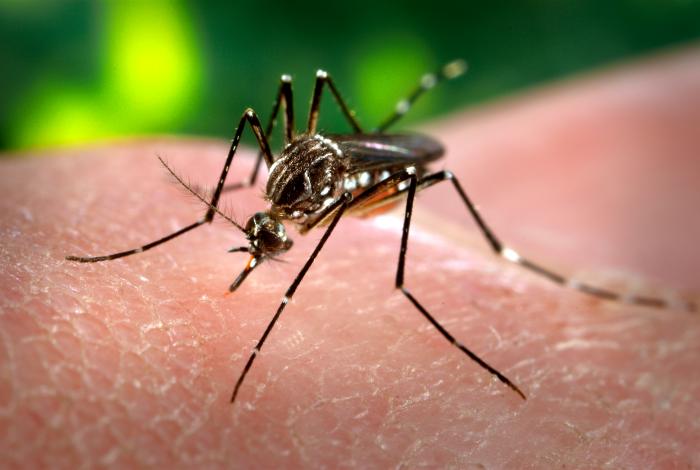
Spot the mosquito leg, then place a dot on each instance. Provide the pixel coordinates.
(148, 246)
(248, 116)
(340, 206)
(511, 255)
(284, 99)
(251, 118)
(413, 183)
(369, 197)
(447, 72)
(322, 78)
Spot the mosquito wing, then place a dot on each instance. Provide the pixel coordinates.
(370, 152)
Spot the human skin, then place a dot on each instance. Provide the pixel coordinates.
(132, 362)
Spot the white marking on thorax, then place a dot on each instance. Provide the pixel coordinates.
(330, 143)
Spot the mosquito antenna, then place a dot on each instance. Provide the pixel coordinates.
(199, 196)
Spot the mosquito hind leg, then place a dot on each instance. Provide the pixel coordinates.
(513, 256)
(449, 71)
(250, 117)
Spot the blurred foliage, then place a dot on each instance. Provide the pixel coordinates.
(79, 71)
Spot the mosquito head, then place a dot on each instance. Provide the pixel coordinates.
(267, 235)
(267, 238)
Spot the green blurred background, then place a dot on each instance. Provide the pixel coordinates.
(78, 72)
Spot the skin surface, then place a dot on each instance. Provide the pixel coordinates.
(132, 362)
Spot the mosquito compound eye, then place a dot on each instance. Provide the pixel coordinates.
(269, 240)
(273, 243)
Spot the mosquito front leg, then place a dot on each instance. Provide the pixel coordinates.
(252, 118)
(284, 99)
(248, 116)
(339, 206)
(452, 70)
(148, 246)
(322, 78)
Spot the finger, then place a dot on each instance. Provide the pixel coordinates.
(151, 344)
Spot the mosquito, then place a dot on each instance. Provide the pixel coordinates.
(319, 178)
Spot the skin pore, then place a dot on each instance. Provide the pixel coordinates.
(132, 362)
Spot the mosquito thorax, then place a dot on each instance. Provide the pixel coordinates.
(307, 176)
(267, 235)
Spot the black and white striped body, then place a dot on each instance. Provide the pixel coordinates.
(314, 171)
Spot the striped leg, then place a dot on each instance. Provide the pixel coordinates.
(368, 197)
(250, 117)
(339, 208)
(452, 70)
(322, 78)
(511, 255)
(284, 99)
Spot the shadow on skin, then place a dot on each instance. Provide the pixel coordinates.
(133, 361)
